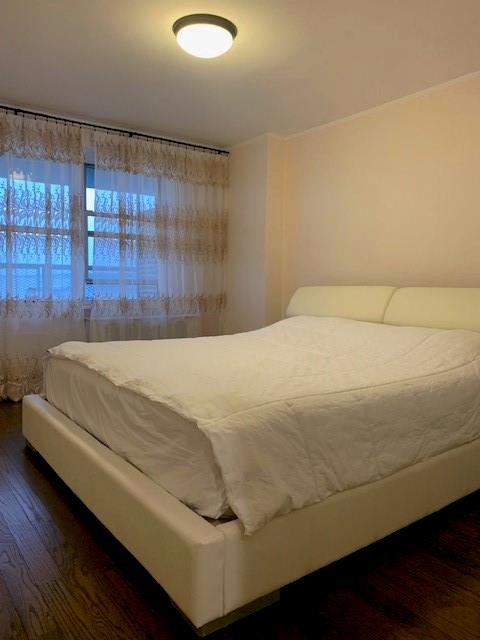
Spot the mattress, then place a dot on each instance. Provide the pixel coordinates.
(307, 407)
(169, 449)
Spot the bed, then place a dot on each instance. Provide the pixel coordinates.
(299, 406)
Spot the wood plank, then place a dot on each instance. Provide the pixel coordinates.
(44, 594)
(10, 624)
(445, 606)
(25, 593)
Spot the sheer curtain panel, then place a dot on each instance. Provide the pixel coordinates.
(42, 266)
(159, 240)
(130, 245)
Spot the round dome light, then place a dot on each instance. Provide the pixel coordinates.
(204, 35)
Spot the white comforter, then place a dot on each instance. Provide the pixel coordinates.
(308, 406)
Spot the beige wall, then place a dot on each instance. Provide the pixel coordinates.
(254, 269)
(391, 196)
(274, 238)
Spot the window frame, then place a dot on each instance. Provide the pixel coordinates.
(87, 167)
(89, 182)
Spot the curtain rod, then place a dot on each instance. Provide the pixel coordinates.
(130, 134)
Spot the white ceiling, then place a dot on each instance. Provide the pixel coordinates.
(295, 63)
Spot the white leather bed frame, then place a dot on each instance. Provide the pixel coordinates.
(212, 572)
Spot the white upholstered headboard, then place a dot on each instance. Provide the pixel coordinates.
(442, 308)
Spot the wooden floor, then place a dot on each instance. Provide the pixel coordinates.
(62, 575)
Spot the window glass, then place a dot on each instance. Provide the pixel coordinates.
(105, 276)
(39, 248)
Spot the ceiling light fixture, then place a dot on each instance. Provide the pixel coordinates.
(204, 35)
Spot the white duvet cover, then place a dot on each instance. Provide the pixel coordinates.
(309, 406)
(170, 450)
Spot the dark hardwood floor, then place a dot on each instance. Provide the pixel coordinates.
(63, 576)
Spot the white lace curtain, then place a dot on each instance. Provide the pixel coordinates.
(41, 237)
(160, 220)
(145, 262)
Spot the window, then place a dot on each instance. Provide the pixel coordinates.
(36, 252)
(90, 215)
(114, 218)
(35, 234)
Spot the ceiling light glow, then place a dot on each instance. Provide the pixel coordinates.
(204, 35)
